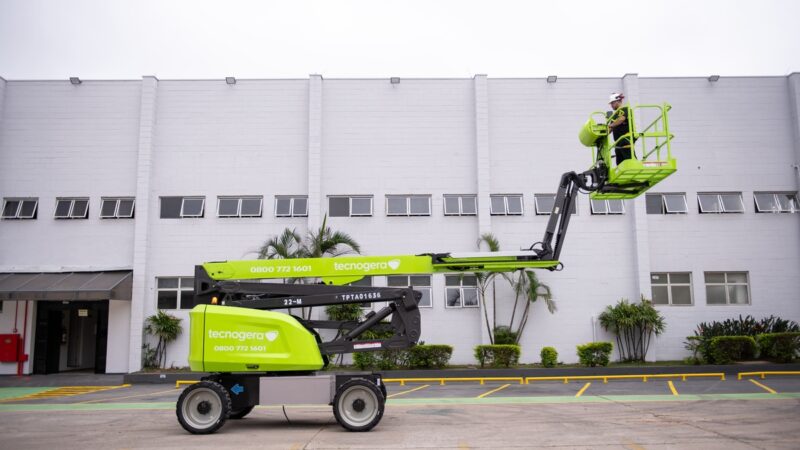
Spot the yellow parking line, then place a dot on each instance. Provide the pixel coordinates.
(672, 387)
(410, 390)
(127, 396)
(771, 391)
(583, 389)
(493, 391)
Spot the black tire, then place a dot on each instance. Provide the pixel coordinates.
(358, 405)
(203, 407)
(237, 414)
(383, 390)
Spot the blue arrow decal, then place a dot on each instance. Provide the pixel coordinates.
(237, 389)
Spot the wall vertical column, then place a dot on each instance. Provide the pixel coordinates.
(794, 105)
(140, 299)
(483, 174)
(314, 151)
(2, 96)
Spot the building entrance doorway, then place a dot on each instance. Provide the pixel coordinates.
(70, 336)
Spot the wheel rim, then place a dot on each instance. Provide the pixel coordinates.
(358, 406)
(201, 408)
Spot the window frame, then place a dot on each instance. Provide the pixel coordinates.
(726, 284)
(240, 199)
(460, 198)
(607, 211)
(17, 213)
(505, 198)
(117, 202)
(536, 198)
(722, 208)
(292, 199)
(428, 287)
(461, 288)
(350, 205)
(775, 197)
(407, 199)
(70, 211)
(669, 285)
(180, 290)
(193, 216)
(664, 206)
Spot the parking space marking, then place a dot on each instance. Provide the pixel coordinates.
(583, 389)
(68, 391)
(771, 391)
(672, 387)
(128, 396)
(486, 394)
(410, 390)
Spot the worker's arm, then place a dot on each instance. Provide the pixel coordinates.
(620, 119)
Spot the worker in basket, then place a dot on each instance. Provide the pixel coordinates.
(619, 124)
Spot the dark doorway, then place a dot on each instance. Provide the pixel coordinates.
(70, 336)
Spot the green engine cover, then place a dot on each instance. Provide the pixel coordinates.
(230, 339)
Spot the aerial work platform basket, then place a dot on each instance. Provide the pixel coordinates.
(651, 158)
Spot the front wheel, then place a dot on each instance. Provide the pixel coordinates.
(203, 407)
(240, 413)
(358, 405)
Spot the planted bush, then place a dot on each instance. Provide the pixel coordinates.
(779, 347)
(428, 356)
(549, 356)
(700, 343)
(595, 353)
(634, 325)
(726, 349)
(504, 336)
(497, 355)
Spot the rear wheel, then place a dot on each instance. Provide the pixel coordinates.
(358, 405)
(203, 407)
(240, 413)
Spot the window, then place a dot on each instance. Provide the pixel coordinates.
(730, 202)
(545, 202)
(776, 202)
(239, 206)
(349, 206)
(175, 292)
(610, 206)
(72, 208)
(666, 203)
(288, 206)
(421, 283)
(408, 205)
(116, 208)
(727, 288)
(178, 207)
(506, 205)
(20, 208)
(671, 288)
(460, 205)
(461, 291)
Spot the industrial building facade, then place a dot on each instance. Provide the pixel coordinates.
(112, 191)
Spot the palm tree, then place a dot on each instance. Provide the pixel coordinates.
(288, 245)
(325, 242)
(483, 279)
(528, 287)
(166, 328)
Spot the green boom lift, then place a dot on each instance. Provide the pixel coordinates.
(257, 355)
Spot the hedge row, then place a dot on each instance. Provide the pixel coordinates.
(779, 347)
(418, 357)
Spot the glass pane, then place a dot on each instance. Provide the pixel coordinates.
(108, 208)
(709, 203)
(732, 202)
(339, 206)
(452, 280)
(470, 297)
(300, 207)
(187, 300)
(420, 206)
(680, 278)
(788, 202)
(451, 206)
(125, 208)
(545, 203)
(598, 206)
(737, 277)
(10, 208)
(283, 207)
(675, 203)
(660, 295)
(80, 209)
(514, 204)
(168, 283)
(715, 295)
(681, 295)
(227, 207)
(469, 205)
(453, 297)
(28, 209)
(167, 299)
(498, 205)
(654, 204)
(362, 206)
(616, 206)
(469, 280)
(192, 207)
(658, 278)
(187, 283)
(397, 281)
(426, 297)
(396, 206)
(766, 203)
(62, 208)
(738, 295)
(171, 207)
(364, 282)
(251, 207)
(715, 277)
(420, 280)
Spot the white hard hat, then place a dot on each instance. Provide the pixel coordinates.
(616, 96)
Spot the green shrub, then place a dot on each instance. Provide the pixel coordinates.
(428, 356)
(779, 347)
(504, 336)
(726, 349)
(497, 355)
(595, 353)
(700, 343)
(549, 357)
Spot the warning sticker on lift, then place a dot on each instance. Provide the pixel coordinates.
(364, 345)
